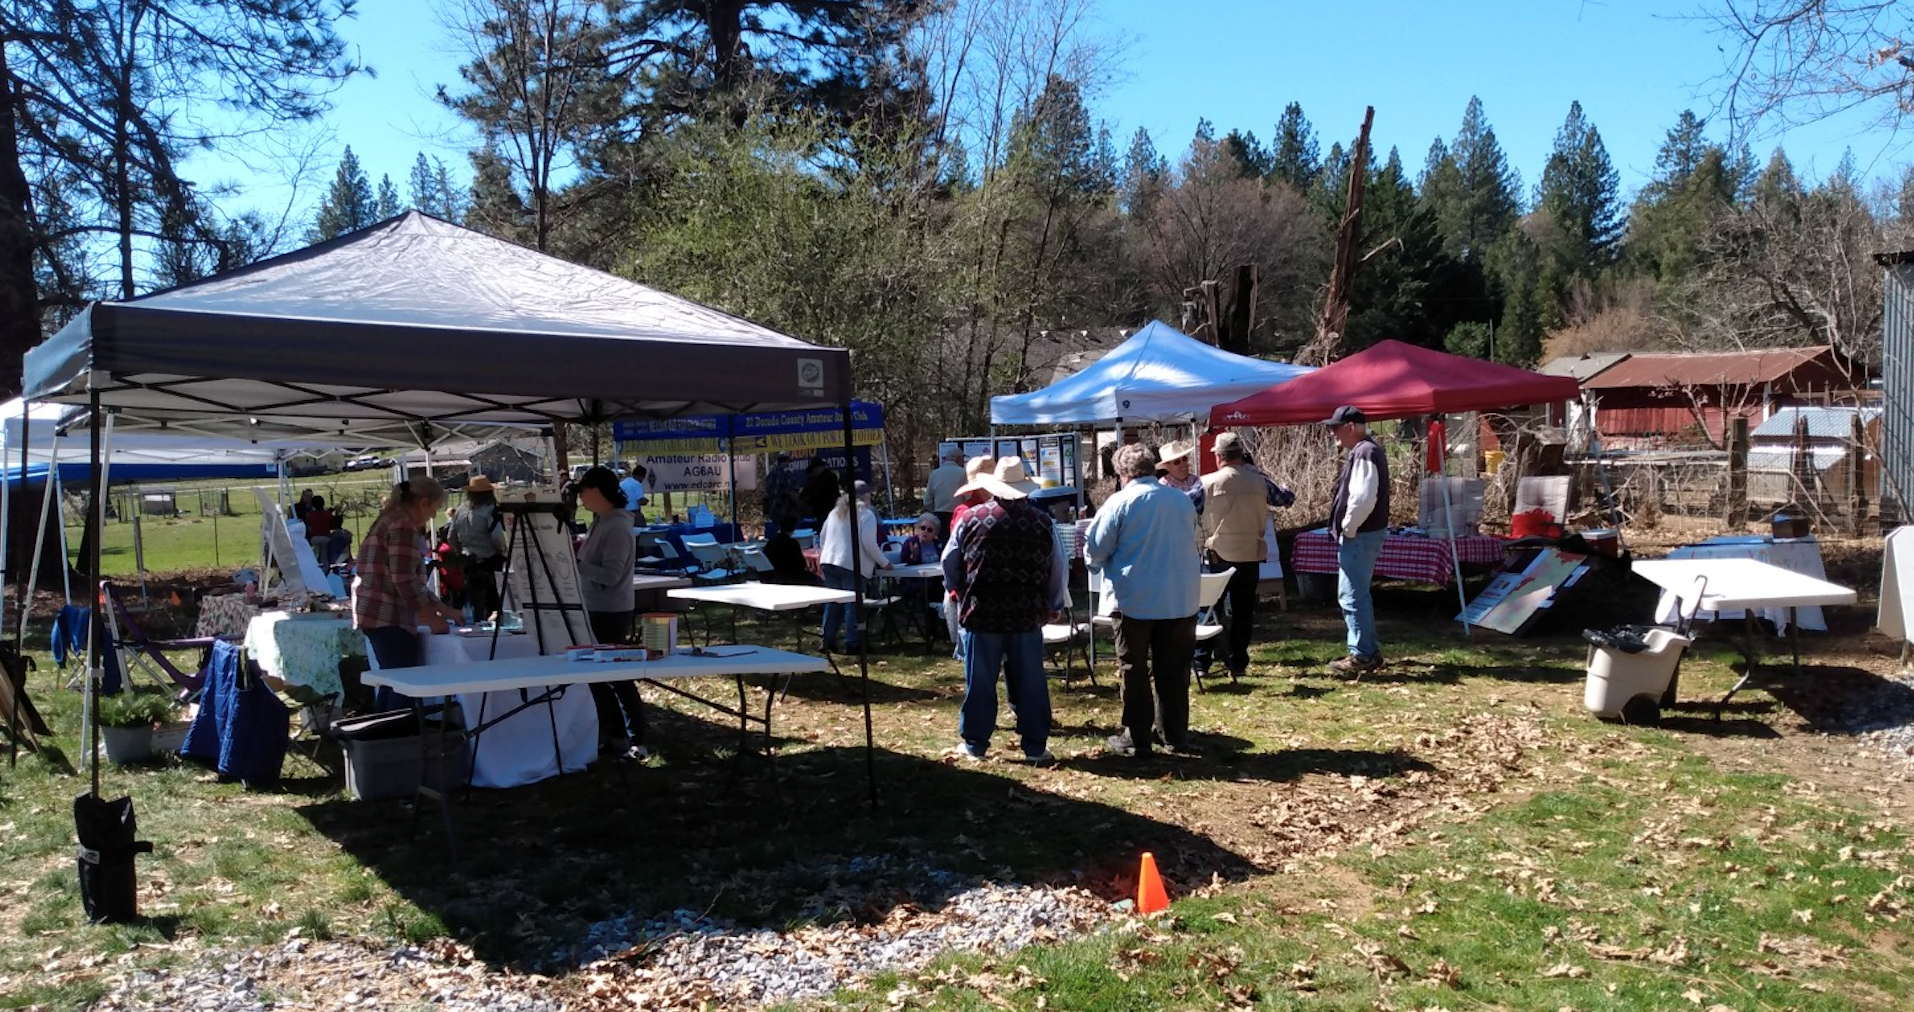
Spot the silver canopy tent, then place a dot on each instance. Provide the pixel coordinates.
(415, 326)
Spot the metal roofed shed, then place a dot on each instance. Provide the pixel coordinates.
(1656, 395)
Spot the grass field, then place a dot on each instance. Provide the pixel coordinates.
(1451, 833)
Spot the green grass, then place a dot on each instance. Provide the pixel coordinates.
(1451, 833)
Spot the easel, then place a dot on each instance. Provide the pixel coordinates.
(542, 584)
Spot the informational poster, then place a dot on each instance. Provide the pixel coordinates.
(541, 579)
(1512, 600)
(698, 472)
(283, 554)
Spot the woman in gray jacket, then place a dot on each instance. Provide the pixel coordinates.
(606, 561)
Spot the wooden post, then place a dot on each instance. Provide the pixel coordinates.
(1323, 347)
(1857, 488)
(1737, 516)
(1803, 464)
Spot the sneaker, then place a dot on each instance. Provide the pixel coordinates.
(1121, 744)
(1354, 665)
(967, 751)
(1043, 758)
(637, 753)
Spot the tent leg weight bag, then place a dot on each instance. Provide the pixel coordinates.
(109, 889)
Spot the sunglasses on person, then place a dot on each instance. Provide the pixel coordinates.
(927, 528)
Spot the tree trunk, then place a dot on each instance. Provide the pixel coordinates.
(19, 290)
(1242, 311)
(1325, 346)
(22, 527)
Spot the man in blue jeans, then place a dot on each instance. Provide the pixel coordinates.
(1008, 574)
(1359, 518)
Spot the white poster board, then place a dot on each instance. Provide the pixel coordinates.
(1897, 583)
(541, 580)
(698, 472)
(279, 550)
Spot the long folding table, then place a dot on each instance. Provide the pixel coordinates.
(778, 598)
(545, 678)
(1747, 585)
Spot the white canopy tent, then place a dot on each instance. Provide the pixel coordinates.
(412, 327)
(1159, 375)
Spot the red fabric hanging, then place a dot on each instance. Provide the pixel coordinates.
(1438, 445)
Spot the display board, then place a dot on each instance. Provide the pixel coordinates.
(541, 573)
(1897, 583)
(1051, 458)
(282, 553)
(1514, 599)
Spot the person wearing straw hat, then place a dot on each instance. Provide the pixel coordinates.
(1359, 519)
(478, 536)
(1176, 468)
(973, 467)
(1008, 573)
(1143, 540)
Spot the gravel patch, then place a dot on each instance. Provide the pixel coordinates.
(300, 973)
(676, 960)
(684, 959)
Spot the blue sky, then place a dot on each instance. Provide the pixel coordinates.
(1633, 64)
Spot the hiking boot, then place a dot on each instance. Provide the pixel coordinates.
(1354, 665)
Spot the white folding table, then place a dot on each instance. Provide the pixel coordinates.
(786, 598)
(545, 678)
(1747, 585)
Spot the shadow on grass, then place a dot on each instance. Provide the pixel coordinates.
(828, 687)
(1837, 699)
(1219, 762)
(1709, 727)
(539, 863)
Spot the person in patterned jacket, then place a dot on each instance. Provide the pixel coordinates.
(1007, 572)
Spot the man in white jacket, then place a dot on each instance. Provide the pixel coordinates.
(1359, 518)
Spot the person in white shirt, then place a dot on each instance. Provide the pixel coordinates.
(1359, 518)
(834, 561)
(940, 490)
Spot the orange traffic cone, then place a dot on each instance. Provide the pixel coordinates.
(1150, 896)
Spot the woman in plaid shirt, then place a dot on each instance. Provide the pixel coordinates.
(390, 599)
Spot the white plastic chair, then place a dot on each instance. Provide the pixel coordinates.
(1067, 633)
(1208, 626)
(715, 564)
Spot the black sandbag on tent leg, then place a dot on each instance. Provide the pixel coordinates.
(109, 890)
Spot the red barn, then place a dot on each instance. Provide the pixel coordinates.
(1672, 399)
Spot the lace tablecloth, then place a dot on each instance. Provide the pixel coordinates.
(224, 615)
(303, 649)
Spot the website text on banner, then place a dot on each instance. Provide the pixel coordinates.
(766, 432)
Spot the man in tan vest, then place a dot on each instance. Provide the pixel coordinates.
(1237, 497)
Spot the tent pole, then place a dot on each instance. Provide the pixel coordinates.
(857, 603)
(6, 506)
(731, 463)
(1448, 516)
(890, 490)
(48, 496)
(26, 584)
(93, 646)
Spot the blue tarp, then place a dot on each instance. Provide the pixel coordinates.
(79, 473)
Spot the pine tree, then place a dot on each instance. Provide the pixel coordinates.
(388, 205)
(1693, 186)
(1251, 158)
(348, 206)
(1483, 202)
(495, 206)
(1579, 193)
(1293, 154)
(1144, 171)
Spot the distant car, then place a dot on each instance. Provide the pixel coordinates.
(366, 463)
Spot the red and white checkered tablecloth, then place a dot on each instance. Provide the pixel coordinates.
(1404, 556)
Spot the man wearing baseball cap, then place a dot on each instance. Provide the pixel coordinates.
(1359, 519)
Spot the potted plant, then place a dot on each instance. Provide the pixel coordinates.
(126, 724)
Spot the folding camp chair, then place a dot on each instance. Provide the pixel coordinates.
(142, 654)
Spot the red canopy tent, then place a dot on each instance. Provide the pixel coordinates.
(1396, 380)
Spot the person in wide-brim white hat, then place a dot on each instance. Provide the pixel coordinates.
(1009, 481)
